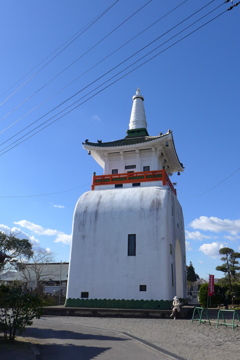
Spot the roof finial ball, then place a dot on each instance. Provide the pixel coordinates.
(138, 94)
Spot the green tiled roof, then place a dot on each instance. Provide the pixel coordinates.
(131, 139)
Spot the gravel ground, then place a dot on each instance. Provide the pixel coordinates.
(188, 340)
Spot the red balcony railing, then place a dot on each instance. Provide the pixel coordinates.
(133, 177)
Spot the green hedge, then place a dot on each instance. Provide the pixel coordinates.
(120, 304)
(217, 299)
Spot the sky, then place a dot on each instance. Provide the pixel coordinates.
(68, 71)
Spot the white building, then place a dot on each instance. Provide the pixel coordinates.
(128, 231)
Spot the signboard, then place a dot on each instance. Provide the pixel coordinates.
(211, 285)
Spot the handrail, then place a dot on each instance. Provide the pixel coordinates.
(133, 177)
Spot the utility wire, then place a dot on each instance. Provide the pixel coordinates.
(80, 57)
(38, 195)
(215, 186)
(142, 65)
(115, 67)
(85, 72)
(113, 82)
(102, 85)
(91, 23)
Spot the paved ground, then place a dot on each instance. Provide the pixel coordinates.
(86, 338)
(64, 340)
(48, 339)
(19, 350)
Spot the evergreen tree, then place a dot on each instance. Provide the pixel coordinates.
(191, 275)
(12, 250)
(230, 265)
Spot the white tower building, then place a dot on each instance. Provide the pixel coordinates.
(128, 231)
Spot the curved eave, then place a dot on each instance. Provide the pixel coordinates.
(174, 163)
(99, 152)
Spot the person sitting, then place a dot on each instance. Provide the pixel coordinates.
(175, 307)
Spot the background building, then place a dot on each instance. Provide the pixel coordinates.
(51, 277)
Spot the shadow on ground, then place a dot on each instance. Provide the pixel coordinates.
(66, 334)
(60, 344)
(70, 351)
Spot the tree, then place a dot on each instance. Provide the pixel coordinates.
(37, 271)
(230, 265)
(17, 309)
(191, 275)
(12, 250)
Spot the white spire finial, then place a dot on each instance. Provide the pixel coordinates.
(138, 117)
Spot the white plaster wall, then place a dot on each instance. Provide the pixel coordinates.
(140, 158)
(129, 185)
(99, 261)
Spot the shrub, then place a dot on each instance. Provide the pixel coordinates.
(220, 296)
(17, 309)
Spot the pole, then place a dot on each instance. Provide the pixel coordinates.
(60, 282)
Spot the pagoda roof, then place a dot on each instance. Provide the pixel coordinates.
(128, 140)
(134, 142)
(136, 136)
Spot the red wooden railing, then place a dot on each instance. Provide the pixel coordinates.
(133, 177)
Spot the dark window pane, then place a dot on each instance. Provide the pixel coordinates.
(132, 245)
(84, 294)
(130, 167)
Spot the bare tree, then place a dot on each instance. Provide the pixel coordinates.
(38, 270)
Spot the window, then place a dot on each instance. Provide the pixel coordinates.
(171, 249)
(132, 245)
(136, 184)
(130, 167)
(142, 287)
(172, 274)
(146, 168)
(118, 185)
(114, 171)
(84, 294)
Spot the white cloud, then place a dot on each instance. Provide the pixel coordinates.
(231, 238)
(212, 249)
(59, 206)
(60, 236)
(65, 239)
(216, 225)
(196, 235)
(96, 118)
(37, 229)
(188, 246)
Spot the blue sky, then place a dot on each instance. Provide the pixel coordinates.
(51, 50)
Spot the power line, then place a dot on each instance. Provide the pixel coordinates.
(218, 184)
(106, 73)
(80, 57)
(84, 29)
(107, 86)
(44, 194)
(134, 70)
(85, 72)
